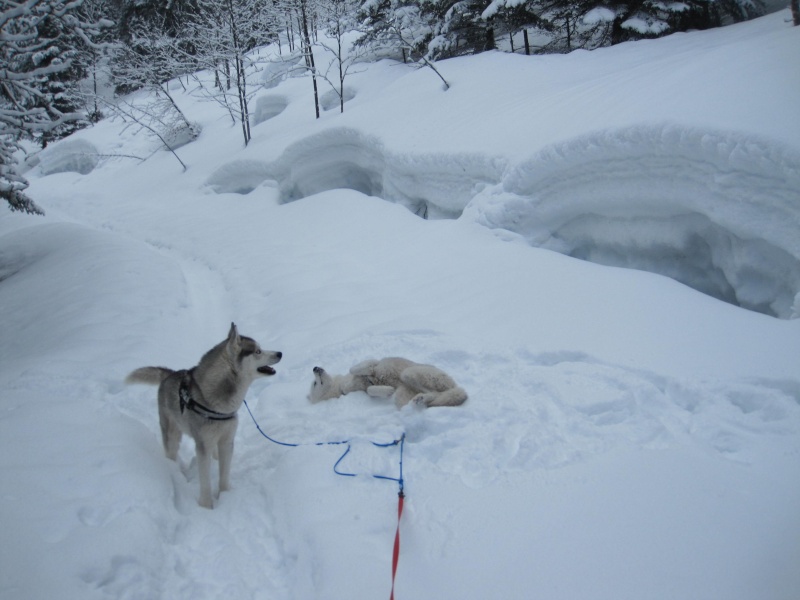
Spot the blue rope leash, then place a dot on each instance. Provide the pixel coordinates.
(400, 442)
(399, 480)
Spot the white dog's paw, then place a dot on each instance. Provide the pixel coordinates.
(423, 400)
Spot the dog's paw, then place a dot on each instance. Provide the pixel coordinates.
(206, 503)
(421, 400)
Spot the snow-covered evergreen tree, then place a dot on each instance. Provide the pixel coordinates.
(397, 28)
(155, 41)
(639, 19)
(39, 41)
(512, 16)
(460, 28)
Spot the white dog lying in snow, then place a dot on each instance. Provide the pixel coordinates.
(406, 380)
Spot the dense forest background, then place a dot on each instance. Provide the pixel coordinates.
(69, 61)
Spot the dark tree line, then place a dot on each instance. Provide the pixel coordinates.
(446, 28)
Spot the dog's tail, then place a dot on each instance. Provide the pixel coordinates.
(149, 375)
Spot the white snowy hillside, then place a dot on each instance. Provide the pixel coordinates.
(629, 432)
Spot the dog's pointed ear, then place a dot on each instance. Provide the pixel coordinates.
(234, 342)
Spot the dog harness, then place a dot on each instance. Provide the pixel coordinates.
(188, 402)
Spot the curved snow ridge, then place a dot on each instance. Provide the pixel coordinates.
(718, 211)
(239, 177)
(430, 185)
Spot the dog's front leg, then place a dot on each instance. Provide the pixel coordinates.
(225, 449)
(204, 471)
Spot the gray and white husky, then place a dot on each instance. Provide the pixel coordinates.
(202, 402)
(407, 381)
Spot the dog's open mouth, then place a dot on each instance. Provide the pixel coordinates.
(265, 370)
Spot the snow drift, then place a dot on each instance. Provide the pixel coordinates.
(717, 211)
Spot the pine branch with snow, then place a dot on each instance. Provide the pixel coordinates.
(38, 48)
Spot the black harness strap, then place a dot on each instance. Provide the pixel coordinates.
(188, 402)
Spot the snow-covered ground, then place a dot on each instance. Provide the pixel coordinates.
(626, 436)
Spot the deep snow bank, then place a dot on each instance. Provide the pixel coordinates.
(62, 308)
(718, 211)
(429, 185)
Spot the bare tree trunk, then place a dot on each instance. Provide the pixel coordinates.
(341, 70)
(489, 44)
(164, 89)
(306, 40)
(241, 80)
(527, 43)
(95, 117)
(241, 87)
(569, 35)
(435, 70)
(290, 31)
(796, 12)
